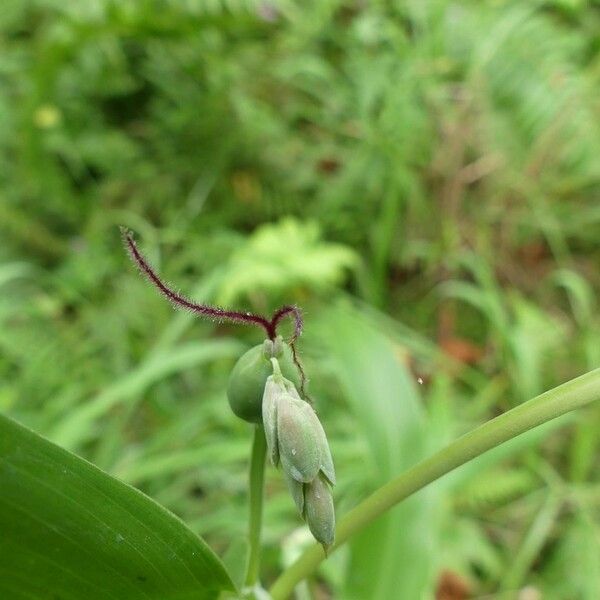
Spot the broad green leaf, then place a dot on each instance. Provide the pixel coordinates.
(70, 531)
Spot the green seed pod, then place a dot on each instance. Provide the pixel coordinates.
(249, 375)
(318, 510)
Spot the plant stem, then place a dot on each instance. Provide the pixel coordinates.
(545, 407)
(256, 493)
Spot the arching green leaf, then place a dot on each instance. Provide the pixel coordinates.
(70, 531)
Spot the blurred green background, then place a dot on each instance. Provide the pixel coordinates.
(422, 177)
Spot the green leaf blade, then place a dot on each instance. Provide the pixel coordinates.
(70, 531)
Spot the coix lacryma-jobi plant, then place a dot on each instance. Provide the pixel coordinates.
(267, 388)
(71, 531)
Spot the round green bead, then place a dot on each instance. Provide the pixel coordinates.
(248, 377)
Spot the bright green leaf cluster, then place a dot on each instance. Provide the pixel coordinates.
(264, 262)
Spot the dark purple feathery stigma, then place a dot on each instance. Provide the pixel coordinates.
(285, 311)
(216, 313)
(180, 301)
(296, 313)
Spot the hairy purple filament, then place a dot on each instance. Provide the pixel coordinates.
(283, 312)
(212, 312)
(216, 313)
(277, 316)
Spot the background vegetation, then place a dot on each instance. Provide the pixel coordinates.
(422, 177)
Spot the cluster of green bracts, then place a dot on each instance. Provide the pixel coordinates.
(295, 437)
(297, 442)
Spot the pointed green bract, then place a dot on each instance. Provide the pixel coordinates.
(325, 454)
(273, 390)
(319, 511)
(299, 448)
(296, 490)
(327, 467)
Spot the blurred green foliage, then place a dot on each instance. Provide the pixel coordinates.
(422, 177)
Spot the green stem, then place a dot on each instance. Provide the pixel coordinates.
(256, 489)
(545, 407)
